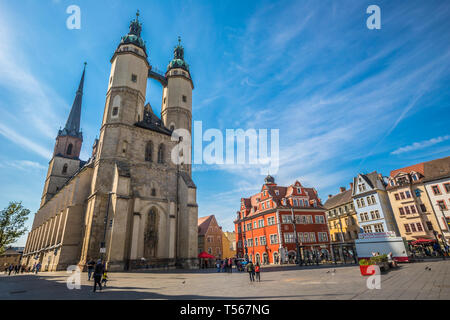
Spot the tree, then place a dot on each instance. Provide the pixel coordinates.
(12, 224)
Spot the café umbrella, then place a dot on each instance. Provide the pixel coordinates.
(204, 255)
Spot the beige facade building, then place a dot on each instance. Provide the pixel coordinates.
(342, 223)
(417, 216)
(229, 244)
(129, 202)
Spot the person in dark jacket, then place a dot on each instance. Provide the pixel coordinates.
(98, 273)
(90, 268)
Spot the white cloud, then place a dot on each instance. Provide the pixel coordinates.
(421, 145)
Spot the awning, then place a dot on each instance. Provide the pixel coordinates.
(422, 241)
(205, 255)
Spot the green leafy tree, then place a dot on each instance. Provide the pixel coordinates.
(12, 224)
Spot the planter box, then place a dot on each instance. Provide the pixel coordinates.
(365, 272)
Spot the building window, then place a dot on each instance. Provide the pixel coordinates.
(369, 201)
(273, 239)
(286, 219)
(69, 149)
(442, 205)
(423, 208)
(249, 226)
(262, 240)
(413, 209)
(413, 227)
(362, 202)
(323, 237)
(261, 223)
(419, 226)
(408, 194)
(184, 99)
(270, 221)
(436, 190)
(250, 243)
(149, 151)
(289, 238)
(430, 226)
(161, 153)
(115, 111)
(447, 187)
(153, 192)
(367, 229)
(402, 211)
(407, 228)
(254, 225)
(397, 197)
(312, 237)
(134, 78)
(64, 170)
(320, 219)
(402, 195)
(379, 227)
(373, 199)
(256, 242)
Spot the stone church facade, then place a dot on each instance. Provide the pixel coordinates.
(129, 204)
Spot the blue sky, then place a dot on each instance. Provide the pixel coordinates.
(345, 98)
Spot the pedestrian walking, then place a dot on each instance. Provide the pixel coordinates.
(218, 265)
(258, 272)
(251, 271)
(98, 272)
(38, 267)
(230, 265)
(90, 268)
(10, 269)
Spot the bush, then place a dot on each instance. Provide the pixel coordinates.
(379, 259)
(364, 262)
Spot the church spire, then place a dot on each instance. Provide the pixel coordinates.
(72, 127)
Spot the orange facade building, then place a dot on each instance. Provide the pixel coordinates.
(265, 226)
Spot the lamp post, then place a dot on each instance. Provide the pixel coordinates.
(299, 258)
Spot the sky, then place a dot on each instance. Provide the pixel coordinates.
(346, 99)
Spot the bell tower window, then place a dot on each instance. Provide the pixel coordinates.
(184, 99)
(134, 78)
(64, 170)
(69, 149)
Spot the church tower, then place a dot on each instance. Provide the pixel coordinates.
(176, 111)
(65, 162)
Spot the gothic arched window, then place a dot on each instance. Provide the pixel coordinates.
(161, 153)
(69, 149)
(149, 151)
(64, 170)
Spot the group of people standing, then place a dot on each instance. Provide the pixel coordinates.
(225, 265)
(254, 271)
(18, 268)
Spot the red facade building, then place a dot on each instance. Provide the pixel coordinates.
(265, 226)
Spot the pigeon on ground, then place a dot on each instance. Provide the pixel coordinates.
(183, 282)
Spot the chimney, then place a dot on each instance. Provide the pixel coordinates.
(342, 189)
(351, 185)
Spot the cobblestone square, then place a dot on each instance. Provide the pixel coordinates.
(409, 282)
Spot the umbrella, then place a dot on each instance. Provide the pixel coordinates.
(205, 255)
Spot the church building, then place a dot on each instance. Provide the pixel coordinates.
(129, 204)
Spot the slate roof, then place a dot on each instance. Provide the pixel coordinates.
(72, 127)
(187, 179)
(437, 169)
(339, 199)
(152, 122)
(203, 224)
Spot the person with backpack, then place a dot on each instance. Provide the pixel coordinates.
(98, 272)
(258, 272)
(251, 271)
(230, 265)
